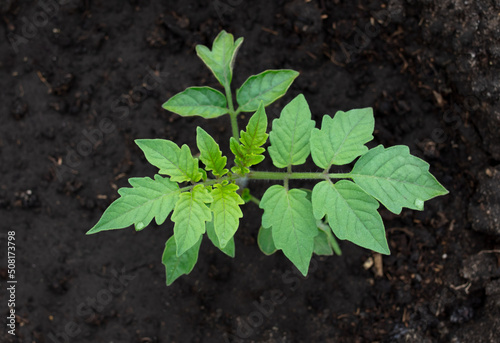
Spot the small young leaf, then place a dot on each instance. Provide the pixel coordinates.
(249, 153)
(203, 174)
(228, 249)
(322, 245)
(352, 214)
(176, 266)
(256, 132)
(210, 153)
(396, 178)
(205, 102)
(147, 199)
(245, 195)
(267, 86)
(190, 215)
(291, 133)
(265, 241)
(342, 138)
(220, 59)
(290, 215)
(226, 209)
(239, 157)
(176, 162)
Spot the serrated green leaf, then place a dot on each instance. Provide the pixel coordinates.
(205, 102)
(239, 157)
(226, 210)
(176, 266)
(352, 214)
(322, 245)
(190, 215)
(342, 138)
(265, 241)
(255, 134)
(228, 249)
(252, 160)
(176, 162)
(290, 215)
(210, 153)
(235, 148)
(396, 178)
(203, 174)
(147, 199)
(220, 60)
(249, 152)
(267, 87)
(291, 133)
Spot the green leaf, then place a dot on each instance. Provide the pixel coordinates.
(256, 132)
(291, 133)
(322, 245)
(220, 60)
(190, 215)
(205, 102)
(228, 249)
(290, 215)
(176, 266)
(226, 209)
(352, 214)
(203, 174)
(210, 153)
(265, 241)
(342, 138)
(245, 195)
(396, 178)
(249, 153)
(176, 162)
(239, 157)
(267, 86)
(147, 199)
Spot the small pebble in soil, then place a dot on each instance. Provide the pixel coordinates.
(27, 199)
(462, 314)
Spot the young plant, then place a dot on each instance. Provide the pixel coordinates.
(299, 222)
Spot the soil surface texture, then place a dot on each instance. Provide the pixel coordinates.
(81, 79)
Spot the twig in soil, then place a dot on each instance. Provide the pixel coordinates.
(465, 286)
(378, 266)
(269, 31)
(402, 229)
(44, 81)
(494, 251)
(331, 56)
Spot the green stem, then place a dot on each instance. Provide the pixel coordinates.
(335, 245)
(254, 200)
(232, 113)
(234, 126)
(331, 238)
(229, 97)
(207, 182)
(262, 175)
(289, 172)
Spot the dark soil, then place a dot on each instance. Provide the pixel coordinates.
(81, 80)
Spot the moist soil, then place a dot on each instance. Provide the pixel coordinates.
(81, 80)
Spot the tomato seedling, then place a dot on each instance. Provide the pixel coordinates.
(299, 222)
